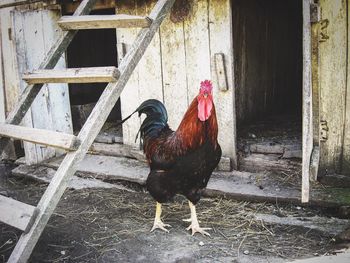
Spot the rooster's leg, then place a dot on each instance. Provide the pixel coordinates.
(157, 221)
(194, 222)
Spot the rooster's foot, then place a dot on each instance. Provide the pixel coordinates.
(196, 229)
(159, 224)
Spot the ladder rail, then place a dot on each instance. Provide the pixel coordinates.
(88, 133)
(31, 91)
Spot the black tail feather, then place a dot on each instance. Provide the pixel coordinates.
(156, 120)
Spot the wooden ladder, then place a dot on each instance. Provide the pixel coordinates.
(32, 220)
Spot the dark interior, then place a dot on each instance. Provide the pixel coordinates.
(267, 39)
(91, 48)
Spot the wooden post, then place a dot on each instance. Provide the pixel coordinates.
(307, 103)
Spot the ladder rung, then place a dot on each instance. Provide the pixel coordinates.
(46, 137)
(103, 21)
(73, 75)
(15, 213)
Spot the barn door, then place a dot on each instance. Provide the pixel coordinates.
(34, 32)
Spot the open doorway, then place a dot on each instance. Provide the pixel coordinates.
(267, 39)
(93, 48)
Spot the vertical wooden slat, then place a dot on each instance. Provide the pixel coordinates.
(197, 47)
(307, 121)
(174, 70)
(129, 99)
(221, 41)
(150, 66)
(333, 53)
(346, 143)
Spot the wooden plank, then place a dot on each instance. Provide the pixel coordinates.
(197, 47)
(31, 91)
(73, 75)
(58, 103)
(44, 137)
(220, 71)
(221, 42)
(93, 125)
(333, 76)
(150, 81)
(103, 21)
(15, 213)
(174, 71)
(10, 3)
(346, 143)
(2, 86)
(129, 98)
(307, 100)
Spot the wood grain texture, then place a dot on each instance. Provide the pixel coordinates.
(346, 141)
(73, 75)
(333, 84)
(15, 213)
(40, 136)
(30, 92)
(307, 104)
(196, 33)
(103, 21)
(221, 42)
(174, 71)
(129, 98)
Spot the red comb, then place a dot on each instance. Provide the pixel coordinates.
(206, 86)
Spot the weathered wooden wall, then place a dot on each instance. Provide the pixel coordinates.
(333, 84)
(346, 144)
(33, 32)
(268, 57)
(179, 57)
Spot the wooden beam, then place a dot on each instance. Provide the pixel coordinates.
(39, 136)
(15, 213)
(88, 133)
(103, 21)
(31, 91)
(73, 75)
(307, 103)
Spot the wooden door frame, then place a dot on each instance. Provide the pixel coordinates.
(307, 135)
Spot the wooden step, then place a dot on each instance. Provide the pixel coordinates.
(73, 75)
(103, 21)
(15, 213)
(46, 137)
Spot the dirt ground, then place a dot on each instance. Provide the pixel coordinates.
(111, 225)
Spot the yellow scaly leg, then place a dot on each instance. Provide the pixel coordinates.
(158, 223)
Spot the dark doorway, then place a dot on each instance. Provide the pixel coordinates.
(92, 48)
(267, 39)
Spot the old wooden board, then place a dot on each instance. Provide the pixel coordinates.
(307, 100)
(221, 46)
(15, 213)
(346, 143)
(88, 133)
(108, 168)
(73, 75)
(45, 174)
(44, 137)
(129, 98)
(174, 70)
(103, 21)
(333, 82)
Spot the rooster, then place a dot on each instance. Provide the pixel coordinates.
(181, 161)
